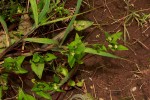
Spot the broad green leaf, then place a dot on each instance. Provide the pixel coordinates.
(4, 24)
(101, 53)
(35, 11)
(71, 60)
(41, 40)
(82, 24)
(49, 57)
(23, 96)
(44, 10)
(19, 60)
(37, 68)
(44, 95)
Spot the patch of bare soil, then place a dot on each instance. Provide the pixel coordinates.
(114, 79)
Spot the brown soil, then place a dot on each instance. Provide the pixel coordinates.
(114, 79)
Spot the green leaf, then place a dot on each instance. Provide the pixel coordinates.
(71, 60)
(35, 11)
(19, 60)
(101, 53)
(56, 78)
(71, 83)
(76, 51)
(36, 58)
(41, 40)
(106, 34)
(41, 86)
(62, 70)
(121, 47)
(8, 60)
(82, 24)
(49, 57)
(44, 95)
(4, 24)
(37, 68)
(20, 71)
(1, 92)
(23, 96)
(44, 10)
(9, 63)
(80, 83)
(115, 37)
(70, 26)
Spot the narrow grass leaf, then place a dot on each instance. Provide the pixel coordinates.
(41, 40)
(44, 10)
(72, 21)
(44, 95)
(35, 11)
(1, 92)
(3, 24)
(101, 53)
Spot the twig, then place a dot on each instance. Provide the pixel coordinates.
(142, 44)
(108, 9)
(146, 29)
(15, 44)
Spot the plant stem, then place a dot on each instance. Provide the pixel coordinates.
(63, 81)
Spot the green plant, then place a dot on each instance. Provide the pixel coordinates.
(46, 58)
(14, 65)
(38, 63)
(140, 18)
(24, 96)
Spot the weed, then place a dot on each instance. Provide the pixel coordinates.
(140, 18)
(72, 52)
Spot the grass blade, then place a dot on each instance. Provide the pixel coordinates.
(44, 10)
(35, 11)
(101, 53)
(41, 40)
(3, 24)
(72, 21)
(1, 92)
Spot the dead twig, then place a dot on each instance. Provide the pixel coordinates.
(142, 44)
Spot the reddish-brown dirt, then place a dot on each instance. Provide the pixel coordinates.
(114, 79)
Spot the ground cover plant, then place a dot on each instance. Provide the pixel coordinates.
(39, 57)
